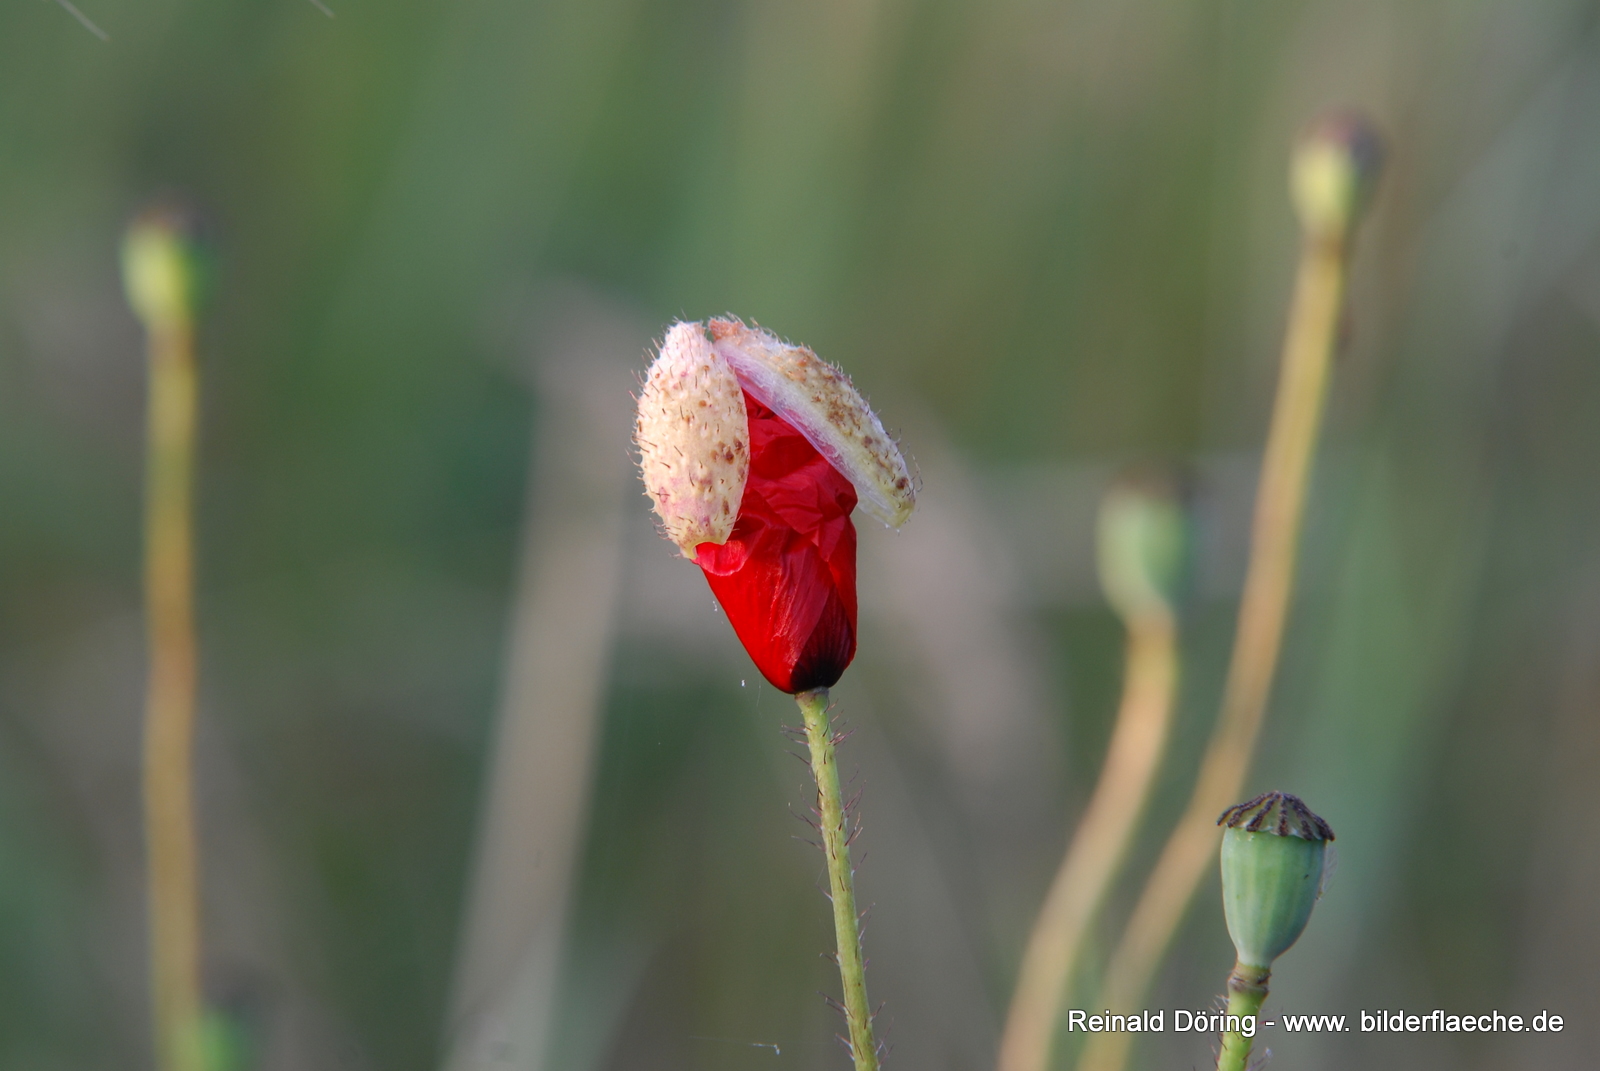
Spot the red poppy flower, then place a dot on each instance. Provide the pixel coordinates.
(787, 575)
(755, 453)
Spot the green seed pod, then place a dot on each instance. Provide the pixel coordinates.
(162, 266)
(1333, 174)
(1272, 859)
(1144, 543)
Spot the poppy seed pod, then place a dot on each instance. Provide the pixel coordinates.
(1272, 860)
(755, 453)
(1333, 174)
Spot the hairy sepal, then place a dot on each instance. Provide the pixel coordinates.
(820, 402)
(693, 439)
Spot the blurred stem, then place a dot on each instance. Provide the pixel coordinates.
(1269, 579)
(1098, 847)
(170, 700)
(836, 837)
(1247, 989)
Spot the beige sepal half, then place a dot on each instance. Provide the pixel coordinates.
(819, 401)
(693, 438)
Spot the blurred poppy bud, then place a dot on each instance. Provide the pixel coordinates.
(1143, 546)
(161, 266)
(1333, 174)
(1272, 859)
(755, 453)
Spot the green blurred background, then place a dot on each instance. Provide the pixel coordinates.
(1048, 237)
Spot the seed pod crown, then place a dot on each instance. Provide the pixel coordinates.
(1276, 812)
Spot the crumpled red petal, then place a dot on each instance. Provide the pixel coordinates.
(786, 577)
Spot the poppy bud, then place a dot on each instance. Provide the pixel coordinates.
(1272, 858)
(1333, 174)
(755, 453)
(161, 268)
(1143, 544)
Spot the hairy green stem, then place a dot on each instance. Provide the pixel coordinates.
(836, 836)
(1247, 989)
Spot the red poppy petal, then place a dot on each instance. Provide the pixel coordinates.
(786, 577)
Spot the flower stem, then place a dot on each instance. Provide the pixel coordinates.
(1098, 846)
(1247, 989)
(836, 837)
(1275, 536)
(170, 698)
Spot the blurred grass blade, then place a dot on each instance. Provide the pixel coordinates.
(539, 764)
(83, 20)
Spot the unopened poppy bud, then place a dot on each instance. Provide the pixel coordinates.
(1272, 859)
(161, 268)
(1333, 174)
(821, 403)
(693, 439)
(1143, 544)
(755, 453)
